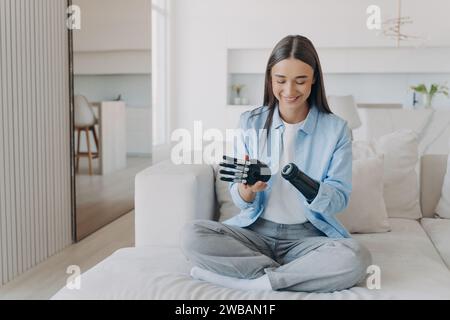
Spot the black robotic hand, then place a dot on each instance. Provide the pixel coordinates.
(244, 171)
(301, 181)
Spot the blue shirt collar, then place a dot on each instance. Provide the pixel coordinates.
(308, 126)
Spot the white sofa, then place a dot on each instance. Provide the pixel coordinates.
(413, 257)
(168, 196)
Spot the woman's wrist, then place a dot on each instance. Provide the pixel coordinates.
(246, 194)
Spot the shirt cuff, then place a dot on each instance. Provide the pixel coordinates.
(237, 199)
(322, 200)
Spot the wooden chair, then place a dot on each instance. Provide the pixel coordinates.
(85, 121)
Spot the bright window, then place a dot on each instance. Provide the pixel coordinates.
(160, 54)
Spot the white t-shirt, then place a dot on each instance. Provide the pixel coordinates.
(284, 204)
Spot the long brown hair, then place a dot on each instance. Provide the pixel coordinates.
(300, 48)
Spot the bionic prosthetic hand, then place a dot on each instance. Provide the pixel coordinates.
(244, 171)
(251, 171)
(302, 182)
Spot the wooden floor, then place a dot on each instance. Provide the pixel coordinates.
(101, 199)
(105, 224)
(44, 280)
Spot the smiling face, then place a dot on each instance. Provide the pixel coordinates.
(292, 80)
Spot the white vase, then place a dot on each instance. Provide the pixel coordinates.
(244, 101)
(237, 101)
(426, 100)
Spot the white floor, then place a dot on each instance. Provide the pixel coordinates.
(44, 280)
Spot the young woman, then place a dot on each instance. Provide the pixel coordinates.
(281, 241)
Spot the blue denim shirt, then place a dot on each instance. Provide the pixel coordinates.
(323, 150)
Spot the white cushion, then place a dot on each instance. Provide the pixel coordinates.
(363, 150)
(366, 212)
(443, 207)
(434, 139)
(432, 126)
(401, 188)
(380, 122)
(439, 232)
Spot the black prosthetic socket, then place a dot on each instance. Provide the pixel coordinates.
(301, 181)
(244, 171)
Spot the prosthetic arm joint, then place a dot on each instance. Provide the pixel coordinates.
(301, 181)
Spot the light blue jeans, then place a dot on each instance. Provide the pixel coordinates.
(295, 257)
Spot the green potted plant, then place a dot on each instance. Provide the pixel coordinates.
(428, 94)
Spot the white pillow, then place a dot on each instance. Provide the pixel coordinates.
(366, 211)
(363, 150)
(443, 207)
(401, 188)
(379, 122)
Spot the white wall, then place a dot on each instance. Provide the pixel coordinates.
(203, 30)
(115, 37)
(111, 25)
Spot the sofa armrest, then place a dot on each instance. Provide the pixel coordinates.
(432, 173)
(167, 196)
